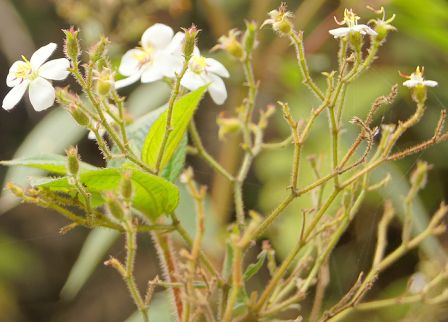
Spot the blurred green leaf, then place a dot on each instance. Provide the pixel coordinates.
(183, 111)
(93, 250)
(52, 135)
(228, 262)
(159, 310)
(154, 196)
(397, 188)
(53, 163)
(253, 268)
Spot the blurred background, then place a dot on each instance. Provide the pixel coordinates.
(36, 261)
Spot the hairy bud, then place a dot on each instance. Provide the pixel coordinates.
(71, 44)
(126, 185)
(114, 205)
(249, 38)
(228, 126)
(104, 81)
(72, 160)
(79, 115)
(98, 50)
(190, 41)
(231, 44)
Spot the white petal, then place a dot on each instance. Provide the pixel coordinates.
(193, 81)
(411, 83)
(11, 79)
(151, 73)
(217, 90)
(364, 29)
(42, 54)
(41, 94)
(168, 63)
(176, 43)
(339, 32)
(129, 63)
(216, 67)
(196, 51)
(157, 36)
(127, 81)
(15, 95)
(430, 83)
(56, 69)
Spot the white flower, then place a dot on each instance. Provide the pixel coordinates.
(416, 79)
(351, 20)
(160, 55)
(202, 71)
(35, 73)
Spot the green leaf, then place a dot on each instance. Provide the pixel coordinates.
(154, 196)
(136, 136)
(137, 132)
(53, 163)
(228, 262)
(93, 250)
(252, 269)
(182, 113)
(174, 167)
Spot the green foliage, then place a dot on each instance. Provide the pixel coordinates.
(52, 135)
(183, 111)
(53, 163)
(136, 135)
(253, 268)
(154, 196)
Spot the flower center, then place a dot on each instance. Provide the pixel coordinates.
(198, 64)
(144, 55)
(25, 70)
(350, 18)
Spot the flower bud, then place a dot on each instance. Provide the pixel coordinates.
(190, 41)
(72, 160)
(114, 205)
(71, 43)
(99, 49)
(280, 20)
(78, 115)
(126, 185)
(249, 38)
(230, 44)
(104, 81)
(228, 126)
(382, 26)
(65, 97)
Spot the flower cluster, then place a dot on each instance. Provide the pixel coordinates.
(160, 55)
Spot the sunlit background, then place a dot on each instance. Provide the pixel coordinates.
(36, 261)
